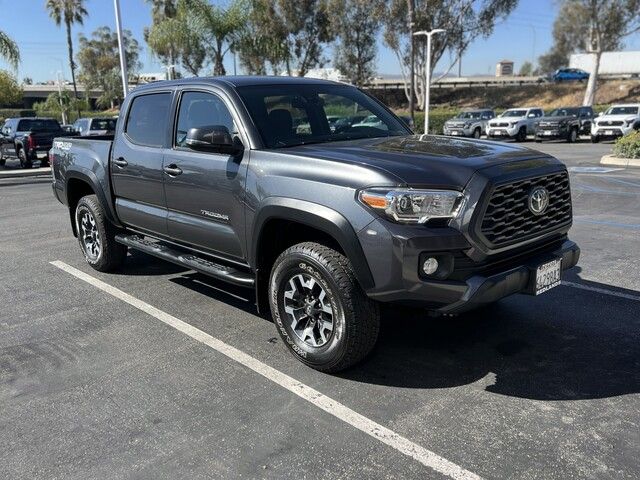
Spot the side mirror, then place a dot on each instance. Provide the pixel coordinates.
(532, 115)
(600, 114)
(210, 138)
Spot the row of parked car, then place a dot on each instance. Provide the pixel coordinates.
(28, 137)
(566, 123)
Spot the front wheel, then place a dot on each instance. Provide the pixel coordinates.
(573, 135)
(476, 133)
(322, 314)
(96, 236)
(521, 136)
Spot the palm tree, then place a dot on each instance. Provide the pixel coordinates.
(9, 50)
(68, 12)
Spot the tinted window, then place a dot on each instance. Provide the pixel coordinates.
(103, 124)
(147, 122)
(289, 115)
(564, 112)
(198, 110)
(514, 113)
(622, 111)
(38, 125)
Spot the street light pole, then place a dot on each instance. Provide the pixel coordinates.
(123, 58)
(427, 86)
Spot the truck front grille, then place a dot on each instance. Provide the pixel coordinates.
(500, 124)
(610, 123)
(507, 218)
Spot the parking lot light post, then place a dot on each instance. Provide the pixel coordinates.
(123, 58)
(427, 68)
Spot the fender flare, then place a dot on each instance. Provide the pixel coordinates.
(90, 178)
(319, 217)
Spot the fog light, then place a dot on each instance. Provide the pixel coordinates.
(430, 266)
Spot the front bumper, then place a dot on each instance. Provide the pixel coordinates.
(398, 277)
(610, 131)
(552, 133)
(458, 131)
(502, 132)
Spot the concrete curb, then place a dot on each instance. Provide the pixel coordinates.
(622, 162)
(31, 172)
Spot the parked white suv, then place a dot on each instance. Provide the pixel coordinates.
(470, 123)
(515, 123)
(617, 121)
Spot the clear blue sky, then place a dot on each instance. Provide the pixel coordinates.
(523, 36)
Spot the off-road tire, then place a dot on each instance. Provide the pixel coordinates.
(25, 162)
(573, 135)
(477, 133)
(3, 161)
(112, 254)
(595, 139)
(356, 318)
(521, 136)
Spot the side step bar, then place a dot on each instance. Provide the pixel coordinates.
(187, 260)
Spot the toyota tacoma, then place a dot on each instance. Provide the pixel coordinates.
(617, 121)
(325, 225)
(515, 123)
(471, 123)
(566, 123)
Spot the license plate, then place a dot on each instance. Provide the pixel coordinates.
(548, 133)
(548, 276)
(608, 132)
(455, 133)
(498, 133)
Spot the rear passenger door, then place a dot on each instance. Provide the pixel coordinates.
(205, 189)
(136, 162)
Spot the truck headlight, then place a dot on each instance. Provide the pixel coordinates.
(406, 205)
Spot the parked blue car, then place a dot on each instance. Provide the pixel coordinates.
(569, 74)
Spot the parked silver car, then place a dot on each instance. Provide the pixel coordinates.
(90, 127)
(471, 123)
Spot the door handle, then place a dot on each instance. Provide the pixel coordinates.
(172, 170)
(120, 162)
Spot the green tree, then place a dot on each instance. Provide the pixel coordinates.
(177, 39)
(356, 29)
(68, 12)
(526, 70)
(309, 30)
(262, 42)
(218, 27)
(10, 91)
(100, 63)
(463, 21)
(61, 105)
(9, 50)
(596, 26)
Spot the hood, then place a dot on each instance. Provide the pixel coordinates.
(559, 118)
(496, 120)
(607, 118)
(419, 160)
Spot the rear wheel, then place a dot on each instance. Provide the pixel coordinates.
(96, 236)
(322, 314)
(25, 161)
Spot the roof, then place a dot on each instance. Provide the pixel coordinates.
(242, 80)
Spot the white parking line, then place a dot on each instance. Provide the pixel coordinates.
(602, 290)
(329, 405)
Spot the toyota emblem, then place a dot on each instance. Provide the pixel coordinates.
(538, 200)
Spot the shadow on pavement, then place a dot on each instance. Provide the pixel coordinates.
(568, 344)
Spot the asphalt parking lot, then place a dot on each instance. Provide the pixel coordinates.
(143, 381)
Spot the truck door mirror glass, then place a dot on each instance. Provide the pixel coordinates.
(532, 115)
(211, 138)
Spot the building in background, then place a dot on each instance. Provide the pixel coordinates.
(504, 68)
(614, 64)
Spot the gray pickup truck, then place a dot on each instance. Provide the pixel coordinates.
(325, 224)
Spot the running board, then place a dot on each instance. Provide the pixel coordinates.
(187, 260)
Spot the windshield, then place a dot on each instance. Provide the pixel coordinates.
(622, 111)
(103, 124)
(514, 113)
(38, 125)
(289, 115)
(564, 112)
(470, 115)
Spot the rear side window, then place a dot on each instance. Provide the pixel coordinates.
(103, 124)
(38, 125)
(147, 121)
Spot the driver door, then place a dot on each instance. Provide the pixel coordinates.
(205, 190)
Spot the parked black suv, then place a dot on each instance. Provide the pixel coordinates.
(566, 123)
(242, 178)
(27, 137)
